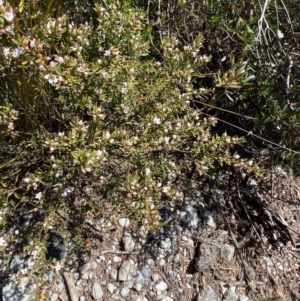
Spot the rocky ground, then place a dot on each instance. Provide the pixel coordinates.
(238, 241)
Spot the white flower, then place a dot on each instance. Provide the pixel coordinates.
(156, 120)
(105, 75)
(99, 153)
(2, 242)
(107, 135)
(9, 15)
(52, 79)
(17, 51)
(148, 171)
(166, 189)
(38, 196)
(107, 53)
(6, 51)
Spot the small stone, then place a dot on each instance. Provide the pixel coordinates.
(143, 276)
(129, 284)
(125, 291)
(207, 294)
(162, 262)
(128, 242)
(82, 298)
(84, 268)
(230, 295)
(176, 258)
(76, 276)
(209, 219)
(209, 249)
(111, 288)
(97, 291)
(93, 265)
(161, 286)
(30, 261)
(138, 287)
(224, 287)
(155, 277)
(114, 274)
(244, 298)
(189, 216)
(49, 276)
(54, 297)
(57, 247)
(16, 264)
(18, 291)
(124, 271)
(166, 298)
(227, 252)
(117, 259)
(175, 231)
(124, 222)
(59, 284)
(141, 299)
(165, 244)
(85, 275)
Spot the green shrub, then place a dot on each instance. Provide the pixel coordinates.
(91, 117)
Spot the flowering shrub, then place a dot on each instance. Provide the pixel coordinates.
(90, 115)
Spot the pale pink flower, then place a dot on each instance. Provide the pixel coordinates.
(9, 15)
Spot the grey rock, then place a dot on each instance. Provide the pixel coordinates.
(57, 247)
(209, 219)
(244, 298)
(175, 231)
(161, 286)
(128, 242)
(54, 297)
(189, 215)
(177, 258)
(129, 284)
(207, 294)
(124, 271)
(166, 298)
(208, 250)
(49, 276)
(30, 261)
(125, 291)
(18, 291)
(97, 291)
(141, 299)
(155, 277)
(86, 275)
(117, 259)
(166, 243)
(138, 286)
(124, 222)
(227, 252)
(111, 288)
(114, 274)
(16, 264)
(230, 295)
(224, 287)
(84, 268)
(59, 284)
(144, 274)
